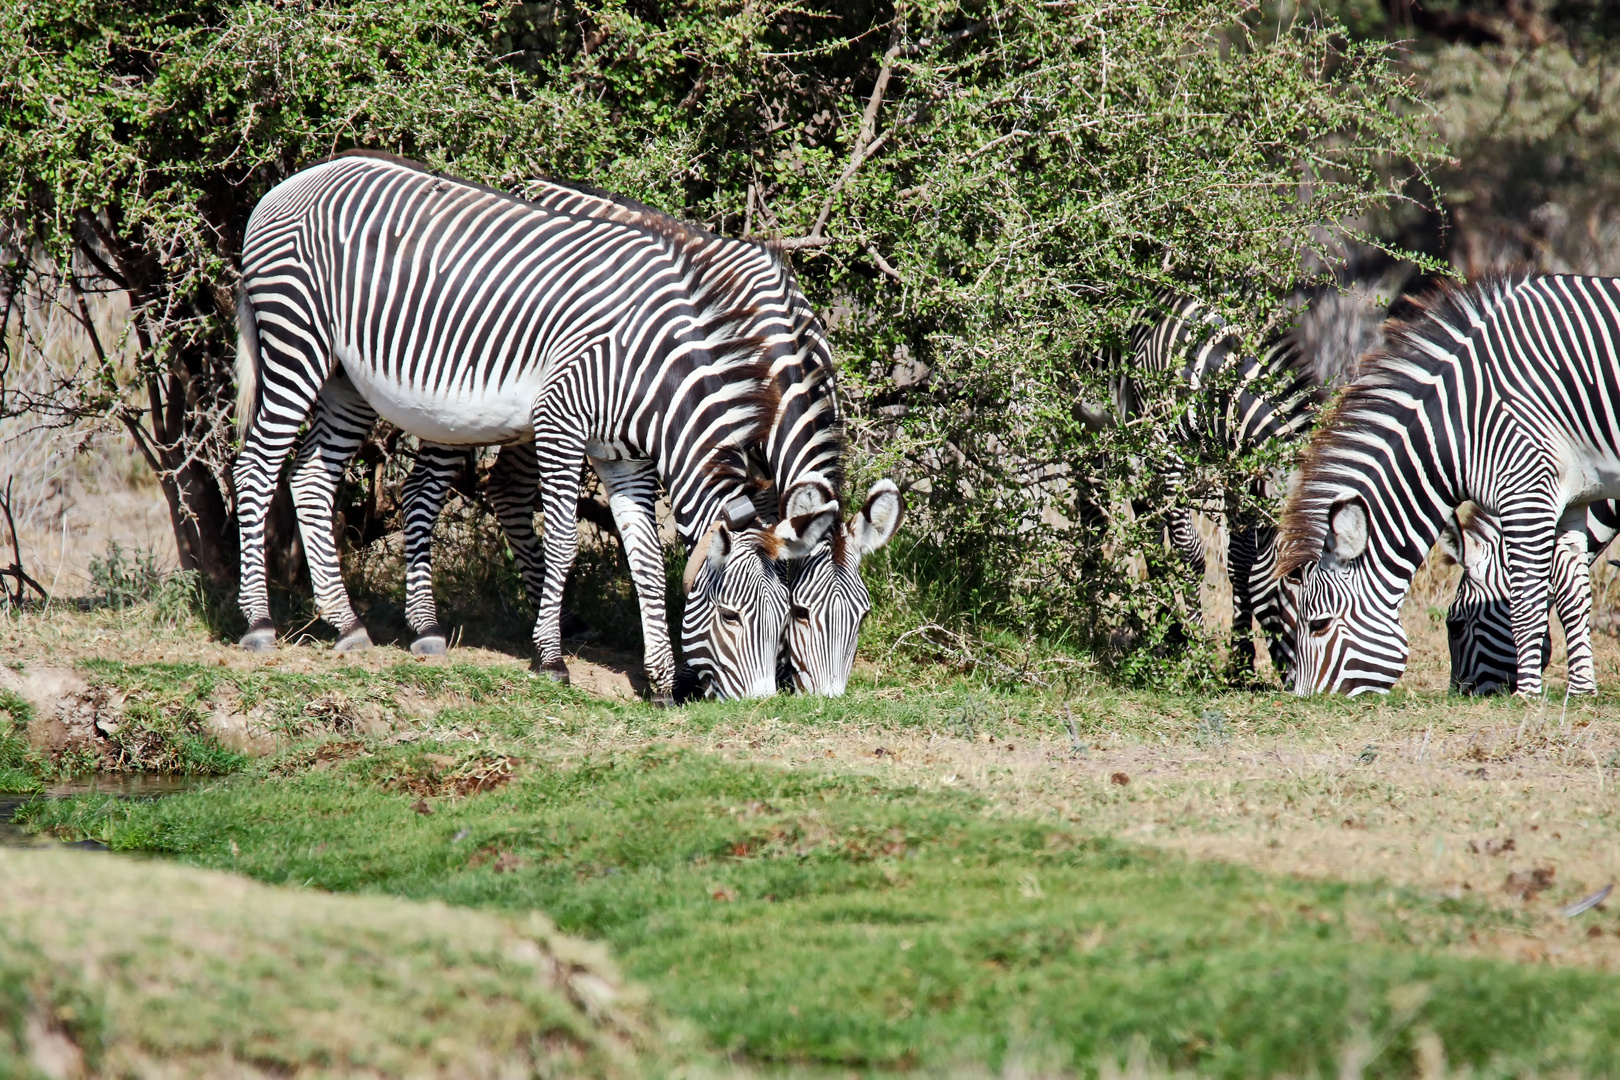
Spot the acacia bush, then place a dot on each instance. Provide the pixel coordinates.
(976, 194)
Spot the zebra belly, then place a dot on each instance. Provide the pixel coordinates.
(476, 417)
(1589, 474)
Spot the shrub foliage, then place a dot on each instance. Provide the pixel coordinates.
(975, 194)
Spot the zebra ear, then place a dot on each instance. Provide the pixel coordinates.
(1347, 527)
(713, 549)
(878, 520)
(811, 509)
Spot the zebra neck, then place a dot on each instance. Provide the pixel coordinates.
(1381, 449)
(805, 441)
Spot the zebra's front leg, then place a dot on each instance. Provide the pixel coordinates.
(512, 485)
(1530, 540)
(340, 423)
(1240, 553)
(560, 456)
(1572, 598)
(422, 498)
(632, 490)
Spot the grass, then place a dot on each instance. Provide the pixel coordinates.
(935, 873)
(801, 916)
(118, 967)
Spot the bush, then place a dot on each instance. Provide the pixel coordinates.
(976, 194)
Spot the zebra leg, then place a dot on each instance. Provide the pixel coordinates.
(560, 454)
(291, 365)
(1529, 531)
(1572, 597)
(632, 490)
(1240, 552)
(1184, 539)
(422, 498)
(340, 424)
(512, 484)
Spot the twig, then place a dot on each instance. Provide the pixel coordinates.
(15, 571)
(882, 263)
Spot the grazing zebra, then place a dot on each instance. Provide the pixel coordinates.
(1505, 393)
(468, 317)
(1479, 625)
(1275, 397)
(801, 451)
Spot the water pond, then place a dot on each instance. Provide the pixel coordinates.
(118, 785)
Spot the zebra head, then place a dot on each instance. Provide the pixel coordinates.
(830, 600)
(737, 604)
(1346, 628)
(1479, 624)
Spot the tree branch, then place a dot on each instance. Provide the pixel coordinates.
(865, 144)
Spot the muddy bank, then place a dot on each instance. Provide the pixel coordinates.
(101, 717)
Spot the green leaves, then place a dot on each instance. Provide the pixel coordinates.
(976, 194)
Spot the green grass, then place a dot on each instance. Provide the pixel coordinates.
(21, 766)
(796, 916)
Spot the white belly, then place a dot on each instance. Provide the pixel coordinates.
(455, 417)
(1589, 474)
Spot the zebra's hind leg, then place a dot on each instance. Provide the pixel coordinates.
(290, 365)
(341, 421)
(422, 498)
(1572, 596)
(632, 490)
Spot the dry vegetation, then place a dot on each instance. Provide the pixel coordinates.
(133, 968)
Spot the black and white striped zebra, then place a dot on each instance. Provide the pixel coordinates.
(1272, 396)
(468, 317)
(801, 452)
(1479, 625)
(1505, 393)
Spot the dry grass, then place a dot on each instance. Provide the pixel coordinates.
(76, 489)
(122, 968)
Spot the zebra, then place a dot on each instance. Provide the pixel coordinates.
(1275, 397)
(801, 453)
(828, 598)
(1503, 392)
(1479, 627)
(468, 317)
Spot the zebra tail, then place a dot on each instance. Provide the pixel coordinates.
(247, 365)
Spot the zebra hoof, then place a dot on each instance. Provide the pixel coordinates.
(555, 670)
(430, 645)
(259, 639)
(353, 640)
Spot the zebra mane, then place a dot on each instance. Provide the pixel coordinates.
(1414, 349)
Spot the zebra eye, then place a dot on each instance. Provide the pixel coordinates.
(731, 616)
(801, 613)
(1320, 626)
